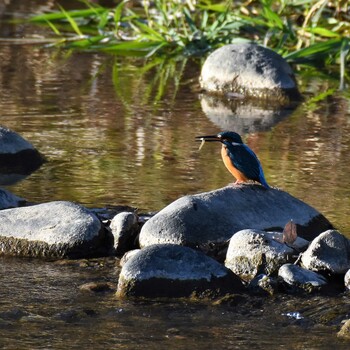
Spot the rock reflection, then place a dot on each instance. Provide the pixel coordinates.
(243, 115)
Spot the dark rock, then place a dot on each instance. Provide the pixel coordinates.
(53, 230)
(9, 200)
(98, 287)
(250, 70)
(213, 217)
(295, 277)
(252, 252)
(329, 252)
(18, 158)
(264, 285)
(168, 270)
(125, 228)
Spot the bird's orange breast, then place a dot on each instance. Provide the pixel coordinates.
(230, 167)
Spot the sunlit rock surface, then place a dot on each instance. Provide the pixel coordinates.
(55, 229)
(251, 252)
(296, 277)
(168, 270)
(248, 69)
(18, 158)
(9, 200)
(213, 217)
(124, 227)
(329, 252)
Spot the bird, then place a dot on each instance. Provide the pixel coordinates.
(238, 158)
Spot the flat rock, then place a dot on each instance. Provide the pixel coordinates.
(298, 277)
(252, 252)
(248, 69)
(213, 217)
(53, 230)
(168, 270)
(329, 252)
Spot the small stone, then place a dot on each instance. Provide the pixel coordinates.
(252, 252)
(329, 252)
(125, 228)
(98, 287)
(297, 277)
(168, 270)
(263, 284)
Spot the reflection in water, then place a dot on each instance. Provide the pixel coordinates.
(243, 116)
(120, 130)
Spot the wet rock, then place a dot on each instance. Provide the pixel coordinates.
(125, 228)
(329, 252)
(250, 70)
(345, 330)
(168, 270)
(127, 256)
(9, 200)
(295, 277)
(212, 218)
(263, 284)
(53, 230)
(98, 287)
(347, 280)
(252, 252)
(18, 158)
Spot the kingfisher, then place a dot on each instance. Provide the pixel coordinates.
(238, 158)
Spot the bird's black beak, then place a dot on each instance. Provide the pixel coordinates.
(208, 138)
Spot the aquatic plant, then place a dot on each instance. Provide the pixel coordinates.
(303, 31)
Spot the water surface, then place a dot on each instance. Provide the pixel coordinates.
(120, 131)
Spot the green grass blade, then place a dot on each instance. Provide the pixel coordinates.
(72, 22)
(58, 16)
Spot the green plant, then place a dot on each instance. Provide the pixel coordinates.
(303, 31)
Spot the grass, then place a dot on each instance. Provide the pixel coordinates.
(303, 31)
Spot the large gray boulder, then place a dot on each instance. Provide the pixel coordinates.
(248, 69)
(168, 270)
(329, 252)
(213, 217)
(252, 252)
(53, 230)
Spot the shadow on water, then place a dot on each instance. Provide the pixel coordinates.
(120, 131)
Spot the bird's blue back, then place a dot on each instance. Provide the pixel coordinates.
(245, 160)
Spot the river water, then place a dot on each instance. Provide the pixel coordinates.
(120, 131)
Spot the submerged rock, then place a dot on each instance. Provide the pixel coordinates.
(53, 230)
(252, 252)
(18, 157)
(212, 218)
(248, 69)
(329, 252)
(124, 227)
(169, 270)
(296, 277)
